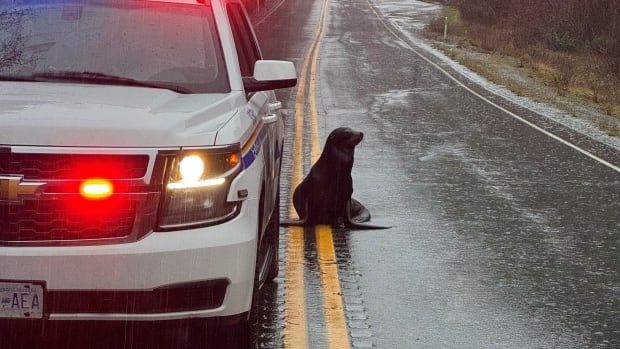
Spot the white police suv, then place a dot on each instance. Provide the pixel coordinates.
(140, 152)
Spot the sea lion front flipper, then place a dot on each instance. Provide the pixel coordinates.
(353, 223)
(358, 212)
(295, 223)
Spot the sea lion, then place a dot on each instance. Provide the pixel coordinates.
(324, 196)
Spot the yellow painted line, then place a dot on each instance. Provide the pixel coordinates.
(337, 331)
(333, 309)
(296, 327)
(315, 150)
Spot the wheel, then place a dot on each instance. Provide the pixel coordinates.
(273, 233)
(245, 334)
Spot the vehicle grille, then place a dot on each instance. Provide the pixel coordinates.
(35, 220)
(73, 166)
(59, 215)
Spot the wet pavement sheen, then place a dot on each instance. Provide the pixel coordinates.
(503, 237)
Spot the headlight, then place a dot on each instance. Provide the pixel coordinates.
(197, 188)
(191, 168)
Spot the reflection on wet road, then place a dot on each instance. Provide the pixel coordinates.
(503, 236)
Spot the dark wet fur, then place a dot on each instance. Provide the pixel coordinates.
(324, 196)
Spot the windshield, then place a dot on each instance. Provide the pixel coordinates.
(118, 41)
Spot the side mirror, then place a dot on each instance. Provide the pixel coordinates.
(271, 75)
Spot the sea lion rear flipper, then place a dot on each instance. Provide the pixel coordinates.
(359, 226)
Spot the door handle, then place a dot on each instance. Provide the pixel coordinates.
(270, 118)
(275, 106)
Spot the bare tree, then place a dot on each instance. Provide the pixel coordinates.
(12, 39)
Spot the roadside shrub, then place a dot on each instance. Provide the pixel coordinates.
(561, 41)
(482, 11)
(572, 45)
(489, 39)
(565, 74)
(525, 60)
(455, 24)
(437, 25)
(13, 40)
(586, 26)
(601, 44)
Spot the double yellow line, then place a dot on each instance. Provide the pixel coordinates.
(296, 327)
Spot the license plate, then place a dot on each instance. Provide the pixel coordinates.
(21, 300)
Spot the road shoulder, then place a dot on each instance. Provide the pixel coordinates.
(408, 19)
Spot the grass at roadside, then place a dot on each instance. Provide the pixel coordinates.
(580, 76)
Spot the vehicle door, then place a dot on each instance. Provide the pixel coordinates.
(261, 106)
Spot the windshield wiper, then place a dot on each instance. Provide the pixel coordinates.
(17, 78)
(103, 79)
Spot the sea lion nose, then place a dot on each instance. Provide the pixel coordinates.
(356, 138)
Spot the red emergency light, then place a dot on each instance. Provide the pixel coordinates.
(96, 189)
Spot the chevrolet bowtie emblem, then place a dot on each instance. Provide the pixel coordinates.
(13, 187)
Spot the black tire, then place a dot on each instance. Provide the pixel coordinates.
(273, 234)
(246, 331)
(241, 335)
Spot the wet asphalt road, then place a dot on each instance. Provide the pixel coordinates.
(502, 236)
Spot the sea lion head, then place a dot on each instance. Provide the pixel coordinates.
(344, 139)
